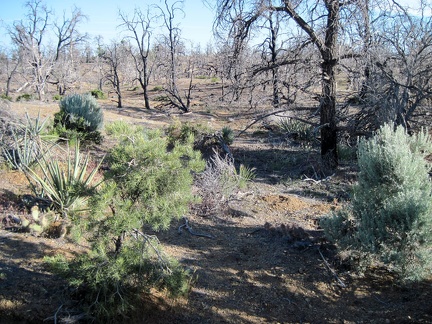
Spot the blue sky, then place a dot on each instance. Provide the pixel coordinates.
(103, 16)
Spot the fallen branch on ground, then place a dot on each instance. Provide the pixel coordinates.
(340, 282)
(190, 230)
(306, 178)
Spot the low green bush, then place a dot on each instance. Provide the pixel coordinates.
(147, 186)
(162, 98)
(227, 135)
(181, 132)
(98, 94)
(24, 97)
(120, 128)
(5, 97)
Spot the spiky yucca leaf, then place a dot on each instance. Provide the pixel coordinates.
(67, 187)
(28, 142)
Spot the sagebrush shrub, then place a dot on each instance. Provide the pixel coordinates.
(79, 114)
(390, 218)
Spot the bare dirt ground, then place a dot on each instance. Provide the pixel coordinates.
(266, 263)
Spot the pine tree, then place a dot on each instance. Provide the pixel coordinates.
(147, 186)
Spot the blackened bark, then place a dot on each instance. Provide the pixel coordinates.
(328, 115)
(146, 99)
(328, 102)
(275, 71)
(329, 56)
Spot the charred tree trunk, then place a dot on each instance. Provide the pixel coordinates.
(328, 51)
(275, 72)
(328, 100)
(328, 114)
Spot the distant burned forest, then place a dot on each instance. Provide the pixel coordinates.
(360, 63)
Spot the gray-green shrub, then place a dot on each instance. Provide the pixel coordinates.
(80, 116)
(390, 219)
(85, 106)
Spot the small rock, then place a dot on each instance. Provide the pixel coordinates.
(14, 219)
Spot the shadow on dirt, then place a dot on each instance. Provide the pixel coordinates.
(254, 275)
(28, 293)
(300, 171)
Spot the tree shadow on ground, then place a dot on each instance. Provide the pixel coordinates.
(246, 274)
(28, 293)
(300, 171)
(250, 275)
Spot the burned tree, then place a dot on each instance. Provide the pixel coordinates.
(139, 28)
(316, 23)
(115, 58)
(171, 43)
(29, 35)
(66, 63)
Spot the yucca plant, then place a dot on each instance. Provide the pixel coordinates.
(245, 175)
(227, 135)
(28, 142)
(300, 129)
(69, 186)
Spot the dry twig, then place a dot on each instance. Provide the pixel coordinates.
(190, 230)
(340, 282)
